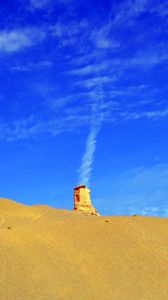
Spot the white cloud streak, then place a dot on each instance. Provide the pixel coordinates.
(88, 158)
(89, 155)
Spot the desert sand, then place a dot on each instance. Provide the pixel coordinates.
(53, 254)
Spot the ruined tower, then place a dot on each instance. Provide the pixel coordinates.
(82, 201)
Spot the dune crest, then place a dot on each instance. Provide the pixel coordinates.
(48, 253)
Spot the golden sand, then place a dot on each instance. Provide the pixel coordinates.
(52, 254)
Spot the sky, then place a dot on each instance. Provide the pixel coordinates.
(84, 100)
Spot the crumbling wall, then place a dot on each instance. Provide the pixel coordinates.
(82, 201)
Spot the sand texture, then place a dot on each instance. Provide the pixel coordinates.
(52, 254)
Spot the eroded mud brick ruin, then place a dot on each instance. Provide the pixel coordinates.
(82, 201)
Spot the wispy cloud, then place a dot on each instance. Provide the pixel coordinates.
(157, 114)
(72, 28)
(39, 3)
(14, 41)
(29, 67)
(129, 10)
(94, 81)
(72, 101)
(89, 69)
(98, 105)
(69, 34)
(151, 57)
(90, 65)
(102, 38)
(19, 39)
(142, 60)
(160, 9)
(40, 127)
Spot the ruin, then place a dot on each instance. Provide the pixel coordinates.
(82, 201)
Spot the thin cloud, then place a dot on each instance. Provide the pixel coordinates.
(102, 38)
(75, 116)
(69, 33)
(129, 10)
(29, 67)
(160, 9)
(39, 3)
(35, 127)
(73, 28)
(146, 59)
(157, 114)
(72, 100)
(14, 41)
(94, 81)
(93, 62)
(19, 39)
(89, 69)
(150, 58)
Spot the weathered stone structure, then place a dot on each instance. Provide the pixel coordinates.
(82, 201)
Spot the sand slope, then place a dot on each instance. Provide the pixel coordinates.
(49, 254)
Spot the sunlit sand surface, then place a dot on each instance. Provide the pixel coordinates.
(52, 254)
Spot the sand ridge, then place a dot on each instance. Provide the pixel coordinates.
(48, 253)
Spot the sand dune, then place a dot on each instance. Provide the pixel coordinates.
(51, 254)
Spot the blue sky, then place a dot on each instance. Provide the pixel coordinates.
(84, 99)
